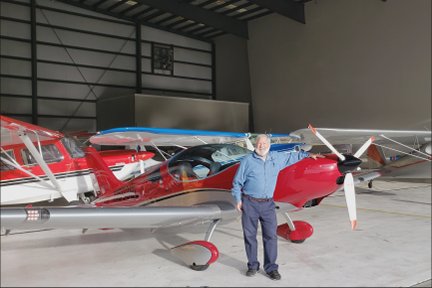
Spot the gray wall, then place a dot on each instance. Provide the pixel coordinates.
(232, 72)
(232, 69)
(83, 56)
(358, 64)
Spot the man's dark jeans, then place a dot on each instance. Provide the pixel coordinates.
(263, 211)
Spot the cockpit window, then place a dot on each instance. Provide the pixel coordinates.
(206, 160)
(72, 147)
(8, 156)
(229, 153)
(50, 154)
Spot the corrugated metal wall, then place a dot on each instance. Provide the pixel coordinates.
(58, 60)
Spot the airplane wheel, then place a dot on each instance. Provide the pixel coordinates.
(370, 184)
(298, 241)
(199, 267)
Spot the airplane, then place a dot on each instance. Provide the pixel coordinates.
(395, 154)
(38, 164)
(194, 187)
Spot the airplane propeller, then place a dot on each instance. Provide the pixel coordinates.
(347, 164)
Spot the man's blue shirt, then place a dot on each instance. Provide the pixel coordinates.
(257, 178)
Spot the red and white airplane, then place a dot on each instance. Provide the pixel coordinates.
(194, 186)
(38, 164)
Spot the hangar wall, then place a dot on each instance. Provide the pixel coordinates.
(232, 77)
(358, 64)
(57, 60)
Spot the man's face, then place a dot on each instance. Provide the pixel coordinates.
(262, 146)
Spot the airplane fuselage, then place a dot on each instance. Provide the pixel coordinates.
(297, 184)
(30, 184)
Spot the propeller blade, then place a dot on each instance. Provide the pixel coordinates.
(340, 156)
(350, 199)
(363, 148)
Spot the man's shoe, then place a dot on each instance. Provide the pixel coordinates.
(251, 272)
(274, 275)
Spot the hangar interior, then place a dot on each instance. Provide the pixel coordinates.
(58, 58)
(268, 66)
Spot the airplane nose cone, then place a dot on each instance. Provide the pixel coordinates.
(349, 164)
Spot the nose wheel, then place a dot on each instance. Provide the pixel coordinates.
(294, 231)
(303, 230)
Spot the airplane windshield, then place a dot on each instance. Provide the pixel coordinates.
(205, 160)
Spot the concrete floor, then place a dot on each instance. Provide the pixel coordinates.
(390, 248)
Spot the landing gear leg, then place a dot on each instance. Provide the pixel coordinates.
(211, 229)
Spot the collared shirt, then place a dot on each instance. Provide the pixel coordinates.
(257, 177)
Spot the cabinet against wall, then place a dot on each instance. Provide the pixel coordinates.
(172, 112)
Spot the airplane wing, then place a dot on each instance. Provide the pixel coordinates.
(163, 136)
(91, 217)
(10, 128)
(359, 136)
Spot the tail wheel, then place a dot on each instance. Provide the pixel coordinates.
(199, 267)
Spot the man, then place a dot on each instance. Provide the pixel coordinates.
(253, 188)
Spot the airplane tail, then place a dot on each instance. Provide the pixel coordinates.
(106, 181)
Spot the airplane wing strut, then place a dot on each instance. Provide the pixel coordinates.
(71, 196)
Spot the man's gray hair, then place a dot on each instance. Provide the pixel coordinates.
(265, 136)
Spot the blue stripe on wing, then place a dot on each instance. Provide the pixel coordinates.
(172, 131)
(164, 136)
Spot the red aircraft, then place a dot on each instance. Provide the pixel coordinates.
(194, 186)
(38, 164)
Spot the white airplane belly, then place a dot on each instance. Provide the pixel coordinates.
(35, 191)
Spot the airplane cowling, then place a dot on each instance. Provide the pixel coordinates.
(198, 255)
(303, 230)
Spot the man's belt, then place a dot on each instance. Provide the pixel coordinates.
(257, 199)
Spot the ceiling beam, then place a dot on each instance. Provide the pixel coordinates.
(287, 8)
(200, 15)
(132, 20)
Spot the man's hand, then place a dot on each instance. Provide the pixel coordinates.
(239, 206)
(315, 156)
